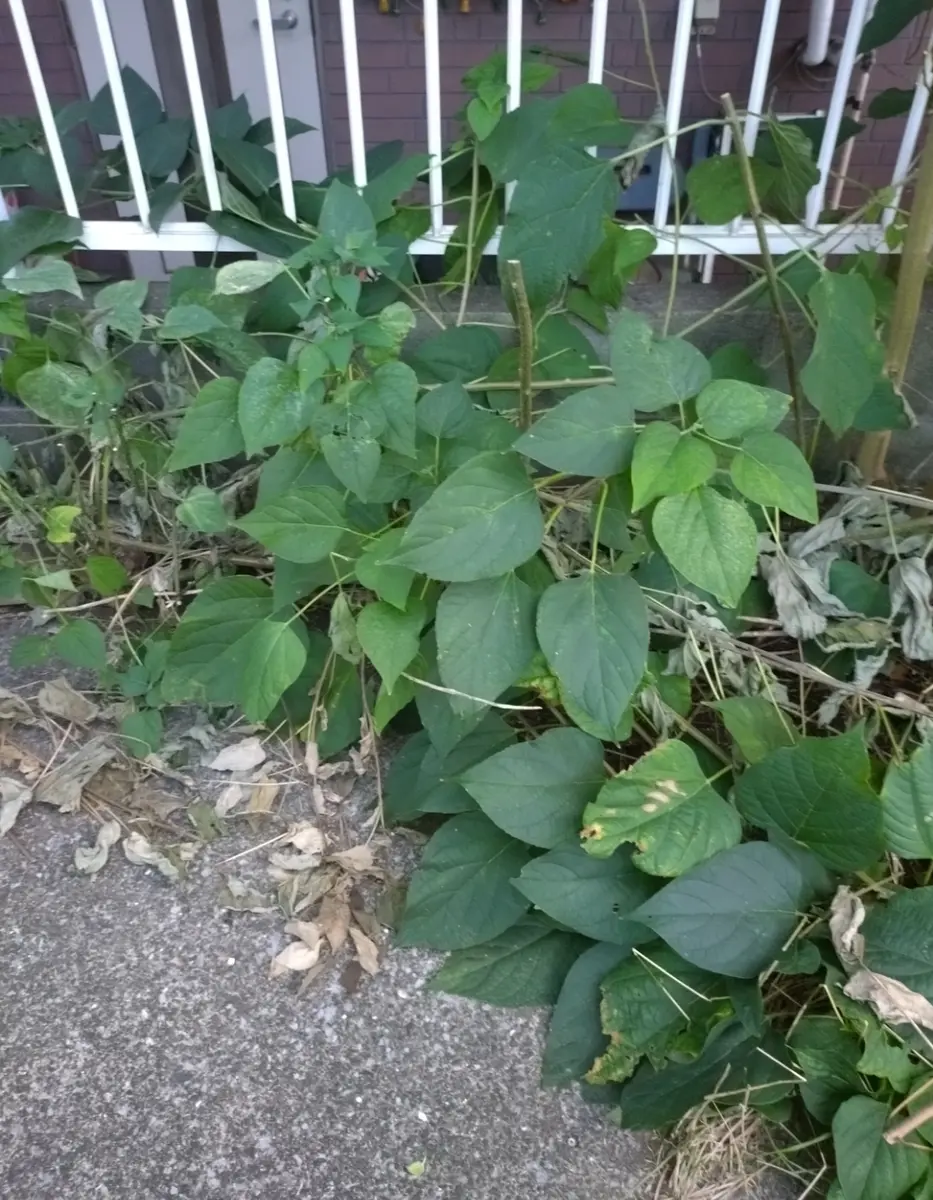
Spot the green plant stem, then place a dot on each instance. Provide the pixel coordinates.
(597, 524)
(526, 341)
(774, 286)
(471, 234)
(915, 261)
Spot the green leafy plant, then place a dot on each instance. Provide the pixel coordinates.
(556, 565)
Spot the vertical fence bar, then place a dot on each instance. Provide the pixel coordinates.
(198, 110)
(597, 63)
(513, 69)
(759, 84)
(857, 17)
(351, 70)
(910, 137)
(270, 66)
(120, 107)
(432, 80)
(43, 104)
(675, 99)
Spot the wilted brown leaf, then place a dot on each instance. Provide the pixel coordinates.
(312, 759)
(846, 916)
(358, 859)
(308, 932)
(351, 976)
(263, 795)
(314, 885)
(366, 949)
(140, 851)
(14, 708)
(892, 1001)
(207, 824)
(14, 796)
(232, 795)
(63, 785)
(365, 919)
(241, 756)
(306, 837)
(334, 920)
(285, 860)
(59, 699)
(239, 896)
(295, 957)
(91, 859)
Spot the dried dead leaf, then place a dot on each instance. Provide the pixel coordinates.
(232, 795)
(14, 796)
(241, 756)
(142, 853)
(157, 805)
(332, 769)
(204, 735)
(239, 896)
(263, 795)
(295, 957)
(316, 884)
(91, 859)
(306, 837)
(892, 1001)
(308, 932)
(15, 709)
(59, 699)
(207, 824)
(310, 977)
(366, 949)
(366, 920)
(358, 859)
(285, 860)
(334, 920)
(351, 976)
(318, 799)
(312, 759)
(846, 916)
(63, 785)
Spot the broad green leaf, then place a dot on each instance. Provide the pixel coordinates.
(616, 261)
(899, 939)
(106, 575)
(886, 1059)
(786, 146)
(594, 633)
(591, 432)
(654, 374)
(446, 725)
(60, 392)
(145, 107)
(390, 638)
(575, 1036)
(827, 1053)
(341, 630)
(392, 391)
(591, 896)
(209, 430)
(667, 462)
(445, 411)
(734, 363)
(30, 229)
(887, 21)
(203, 509)
(211, 649)
(537, 790)
(770, 470)
(462, 893)
(303, 525)
(525, 965)
(188, 321)
(729, 408)
(485, 635)
(554, 223)
(710, 539)
(656, 1098)
(293, 467)
(847, 356)
(13, 319)
(869, 1167)
(375, 570)
(756, 724)
(648, 999)
(142, 732)
(907, 804)
(667, 807)
(247, 275)
(253, 166)
(82, 644)
(48, 275)
(346, 217)
(481, 522)
(462, 352)
(59, 524)
(733, 912)
(717, 188)
(121, 304)
(272, 408)
(354, 460)
(818, 793)
(892, 102)
(277, 653)
(163, 147)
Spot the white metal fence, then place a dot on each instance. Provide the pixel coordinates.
(737, 238)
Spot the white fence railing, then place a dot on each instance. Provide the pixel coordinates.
(738, 237)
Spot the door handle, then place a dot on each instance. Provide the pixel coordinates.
(282, 24)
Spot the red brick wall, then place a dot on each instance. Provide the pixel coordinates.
(56, 56)
(392, 66)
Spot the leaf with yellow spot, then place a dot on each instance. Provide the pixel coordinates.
(665, 805)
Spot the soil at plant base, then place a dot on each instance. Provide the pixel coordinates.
(146, 1053)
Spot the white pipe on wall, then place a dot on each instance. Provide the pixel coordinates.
(816, 50)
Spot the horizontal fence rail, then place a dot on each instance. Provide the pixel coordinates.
(737, 238)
